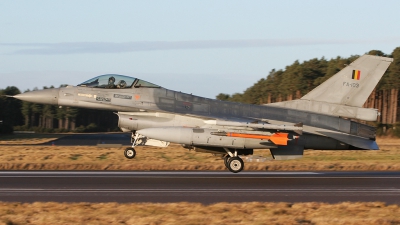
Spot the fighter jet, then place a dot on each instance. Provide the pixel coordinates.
(325, 118)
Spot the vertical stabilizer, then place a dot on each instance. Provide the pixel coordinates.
(352, 85)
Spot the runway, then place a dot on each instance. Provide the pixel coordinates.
(92, 139)
(203, 187)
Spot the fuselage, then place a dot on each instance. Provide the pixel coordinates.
(187, 110)
(159, 99)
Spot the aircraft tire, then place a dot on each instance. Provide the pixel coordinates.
(226, 159)
(235, 164)
(130, 153)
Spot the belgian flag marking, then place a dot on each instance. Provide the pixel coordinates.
(356, 75)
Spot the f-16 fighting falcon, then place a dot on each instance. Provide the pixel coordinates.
(323, 119)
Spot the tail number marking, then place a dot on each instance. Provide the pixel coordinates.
(351, 85)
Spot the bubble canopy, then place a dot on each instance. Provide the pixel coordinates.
(116, 81)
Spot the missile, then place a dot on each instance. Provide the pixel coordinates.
(276, 138)
(298, 128)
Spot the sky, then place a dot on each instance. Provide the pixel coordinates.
(199, 47)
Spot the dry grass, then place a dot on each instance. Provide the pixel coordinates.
(194, 213)
(177, 158)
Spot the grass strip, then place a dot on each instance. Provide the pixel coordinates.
(177, 158)
(197, 214)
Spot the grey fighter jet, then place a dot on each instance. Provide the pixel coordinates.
(322, 119)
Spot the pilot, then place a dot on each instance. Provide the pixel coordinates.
(121, 84)
(111, 81)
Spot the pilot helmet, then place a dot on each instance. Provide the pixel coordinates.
(122, 84)
(111, 80)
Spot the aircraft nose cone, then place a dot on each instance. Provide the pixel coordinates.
(46, 96)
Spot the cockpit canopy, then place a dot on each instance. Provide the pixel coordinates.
(113, 81)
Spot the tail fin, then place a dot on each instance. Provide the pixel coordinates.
(345, 92)
(352, 85)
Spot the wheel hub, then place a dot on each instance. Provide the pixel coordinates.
(235, 165)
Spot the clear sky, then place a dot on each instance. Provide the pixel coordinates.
(201, 47)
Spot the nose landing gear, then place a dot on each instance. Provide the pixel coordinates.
(130, 152)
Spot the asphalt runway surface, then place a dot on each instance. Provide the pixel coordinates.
(92, 139)
(203, 187)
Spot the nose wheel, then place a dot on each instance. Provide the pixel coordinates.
(130, 153)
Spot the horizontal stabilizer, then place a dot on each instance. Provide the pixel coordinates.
(355, 141)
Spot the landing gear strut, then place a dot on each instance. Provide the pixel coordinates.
(130, 152)
(233, 162)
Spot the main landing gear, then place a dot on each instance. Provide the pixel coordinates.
(130, 152)
(233, 162)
